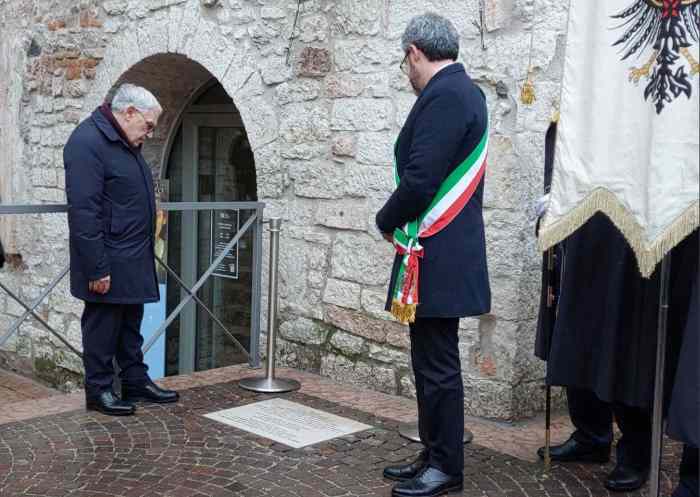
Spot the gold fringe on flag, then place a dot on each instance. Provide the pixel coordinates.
(405, 313)
(648, 255)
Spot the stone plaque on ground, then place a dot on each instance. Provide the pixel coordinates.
(287, 422)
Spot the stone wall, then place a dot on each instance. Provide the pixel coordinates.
(322, 128)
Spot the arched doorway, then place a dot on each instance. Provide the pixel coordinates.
(209, 160)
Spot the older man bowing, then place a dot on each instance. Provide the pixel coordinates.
(434, 219)
(110, 219)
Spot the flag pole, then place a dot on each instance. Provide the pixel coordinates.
(657, 420)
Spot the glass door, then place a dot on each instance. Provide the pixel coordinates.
(217, 166)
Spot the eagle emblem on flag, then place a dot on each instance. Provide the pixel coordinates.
(667, 29)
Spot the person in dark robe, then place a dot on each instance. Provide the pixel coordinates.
(602, 347)
(684, 330)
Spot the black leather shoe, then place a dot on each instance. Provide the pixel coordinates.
(407, 471)
(430, 482)
(108, 403)
(148, 392)
(626, 478)
(573, 451)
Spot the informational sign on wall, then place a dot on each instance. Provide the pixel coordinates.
(224, 226)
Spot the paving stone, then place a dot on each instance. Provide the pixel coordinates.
(173, 451)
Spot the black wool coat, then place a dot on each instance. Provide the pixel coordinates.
(444, 126)
(110, 216)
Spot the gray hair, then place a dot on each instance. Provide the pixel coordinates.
(128, 95)
(433, 35)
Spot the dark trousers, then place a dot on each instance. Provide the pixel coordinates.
(112, 331)
(593, 420)
(438, 374)
(688, 472)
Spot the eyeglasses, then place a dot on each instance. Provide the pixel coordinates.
(404, 64)
(150, 125)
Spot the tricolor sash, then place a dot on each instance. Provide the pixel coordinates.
(454, 193)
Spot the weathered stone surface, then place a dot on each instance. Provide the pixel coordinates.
(498, 14)
(305, 123)
(354, 258)
(361, 17)
(344, 370)
(303, 330)
(347, 344)
(297, 91)
(347, 85)
(275, 70)
(376, 148)
(118, 7)
(342, 293)
(370, 181)
(344, 145)
(313, 62)
(347, 214)
(361, 114)
(365, 55)
(317, 180)
(313, 28)
(396, 358)
(408, 388)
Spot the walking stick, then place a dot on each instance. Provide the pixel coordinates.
(549, 328)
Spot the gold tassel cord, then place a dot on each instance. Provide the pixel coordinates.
(527, 95)
(404, 313)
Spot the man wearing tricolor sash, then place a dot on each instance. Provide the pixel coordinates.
(434, 219)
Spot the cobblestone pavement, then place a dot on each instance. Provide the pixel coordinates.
(517, 439)
(174, 451)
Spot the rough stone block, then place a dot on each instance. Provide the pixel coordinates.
(299, 90)
(317, 180)
(498, 14)
(408, 388)
(303, 330)
(347, 344)
(272, 13)
(356, 257)
(313, 62)
(361, 114)
(313, 28)
(344, 145)
(381, 353)
(304, 123)
(376, 148)
(342, 293)
(361, 17)
(363, 56)
(347, 214)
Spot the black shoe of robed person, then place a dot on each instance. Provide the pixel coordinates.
(108, 403)
(574, 451)
(407, 471)
(626, 478)
(430, 482)
(148, 392)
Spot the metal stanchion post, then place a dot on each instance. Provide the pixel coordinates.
(657, 420)
(270, 384)
(410, 431)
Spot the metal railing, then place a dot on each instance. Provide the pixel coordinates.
(253, 224)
